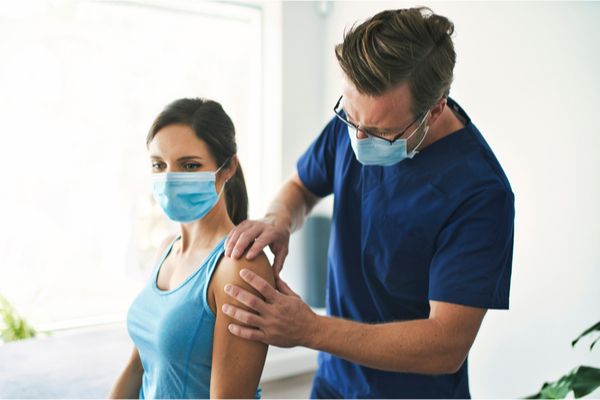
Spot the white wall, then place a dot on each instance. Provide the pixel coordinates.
(527, 75)
(303, 66)
(80, 83)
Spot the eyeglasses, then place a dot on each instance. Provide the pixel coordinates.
(389, 137)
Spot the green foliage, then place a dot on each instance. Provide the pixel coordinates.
(587, 332)
(581, 381)
(12, 326)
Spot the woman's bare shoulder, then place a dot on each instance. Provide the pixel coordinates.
(164, 245)
(229, 270)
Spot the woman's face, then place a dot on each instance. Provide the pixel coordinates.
(176, 148)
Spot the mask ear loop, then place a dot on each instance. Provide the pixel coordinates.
(223, 165)
(226, 180)
(415, 151)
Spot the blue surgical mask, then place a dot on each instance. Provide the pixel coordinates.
(375, 151)
(186, 196)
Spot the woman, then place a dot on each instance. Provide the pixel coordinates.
(182, 346)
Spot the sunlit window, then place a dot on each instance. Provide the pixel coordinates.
(80, 83)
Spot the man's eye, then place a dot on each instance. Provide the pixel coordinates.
(382, 134)
(157, 166)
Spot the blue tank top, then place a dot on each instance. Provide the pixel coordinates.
(173, 332)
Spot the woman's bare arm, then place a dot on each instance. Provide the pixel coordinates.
(237, 363)
(129, 382)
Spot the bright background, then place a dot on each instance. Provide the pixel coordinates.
(80, 83)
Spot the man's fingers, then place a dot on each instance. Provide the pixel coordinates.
(245, 297)
(278, 262)
(284, 288)
(238, 239)
(243, 316)
(244, 239)
(231, 241)
(247, 333)
(259, 243)
(232, 238)
(258, 283)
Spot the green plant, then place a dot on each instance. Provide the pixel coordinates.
(13, 326)
(582, 380)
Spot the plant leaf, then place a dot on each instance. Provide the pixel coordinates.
(555, 390)
(585, 381)
(582, 381)
(15, 327)
(591, 329)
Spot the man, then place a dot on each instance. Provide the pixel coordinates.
(422, 231)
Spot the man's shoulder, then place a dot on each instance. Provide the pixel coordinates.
(463, 161)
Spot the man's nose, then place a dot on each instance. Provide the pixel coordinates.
(360, 134)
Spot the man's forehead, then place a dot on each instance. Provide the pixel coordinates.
(386, 110)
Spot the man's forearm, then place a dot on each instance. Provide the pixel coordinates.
(419, 346)
(291, 206)
(436, 345)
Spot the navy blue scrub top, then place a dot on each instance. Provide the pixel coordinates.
(436, 227)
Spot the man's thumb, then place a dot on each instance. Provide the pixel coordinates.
(284, 288)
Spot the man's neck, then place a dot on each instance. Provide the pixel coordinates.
(446, 124)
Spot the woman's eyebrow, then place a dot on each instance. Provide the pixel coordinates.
(184, 158)
(187, 158)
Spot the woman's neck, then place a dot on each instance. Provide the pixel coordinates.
(207, 231)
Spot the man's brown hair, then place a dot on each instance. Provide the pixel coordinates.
(411, 45)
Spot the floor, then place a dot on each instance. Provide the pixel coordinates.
(84, 365)
(297, 387)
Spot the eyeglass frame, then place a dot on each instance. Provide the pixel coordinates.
(366, 132)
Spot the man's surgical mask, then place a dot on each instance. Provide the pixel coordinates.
(186, 196)
(375, 151)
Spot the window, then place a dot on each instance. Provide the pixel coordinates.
(81, 82)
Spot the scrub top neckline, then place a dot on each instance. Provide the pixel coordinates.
(191, 276)
(454, 135)
(433, 150)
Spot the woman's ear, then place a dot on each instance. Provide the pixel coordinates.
(231, 169)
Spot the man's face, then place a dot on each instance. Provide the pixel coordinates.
(384, 115)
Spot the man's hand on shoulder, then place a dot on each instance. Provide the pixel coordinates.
(251, 236)
(276, 316)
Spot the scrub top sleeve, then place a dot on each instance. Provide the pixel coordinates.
(472, 262)
(316, 166)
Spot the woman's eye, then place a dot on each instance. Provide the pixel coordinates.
(191, 166)
(157, 166)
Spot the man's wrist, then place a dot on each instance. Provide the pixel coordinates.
(315, 332)
(279, 221)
